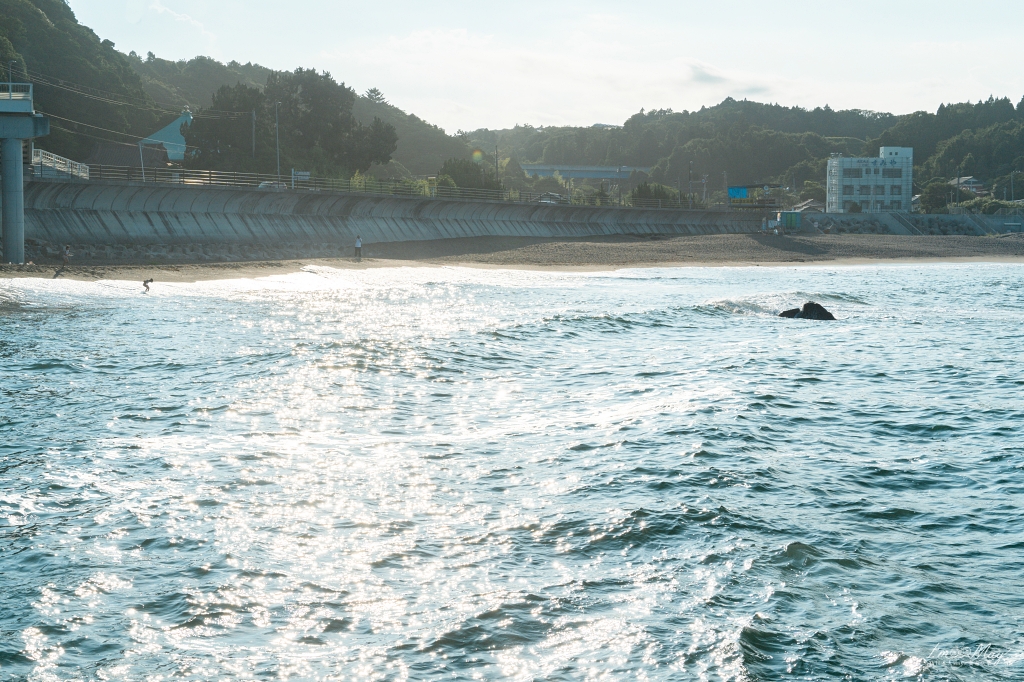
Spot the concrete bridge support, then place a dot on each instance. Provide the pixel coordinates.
(18, 122)
(13, 200)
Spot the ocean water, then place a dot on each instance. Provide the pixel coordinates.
(445, 473)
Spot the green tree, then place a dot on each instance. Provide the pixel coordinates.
(935, 197)
(467, 174)
(219, 141)
(812, 190)
(655, 192)
(318, 132)
(375, 96)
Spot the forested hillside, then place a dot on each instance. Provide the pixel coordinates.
(318, 131)
(422, 147)
(93, 92)
(77, 77)
(119, 98)
(192, 83)
(755, 143)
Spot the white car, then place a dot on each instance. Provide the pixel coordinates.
(273, 185)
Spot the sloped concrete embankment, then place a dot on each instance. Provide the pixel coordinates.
(126, 222)
(912, 224)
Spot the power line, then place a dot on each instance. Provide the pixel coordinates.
(106, 96)
(85, 89)
(79, 133)
(106, 130)
(41, 81)
(94, 137)
(176, 112)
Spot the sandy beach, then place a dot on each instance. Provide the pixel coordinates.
(590, 253)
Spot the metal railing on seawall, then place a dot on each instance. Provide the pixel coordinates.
(365, 186)
(905, 222)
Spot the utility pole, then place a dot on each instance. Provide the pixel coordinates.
(277, 134)
(725, 181)
(495, 164)
(142, 162)
(689, 186)
(254, 134)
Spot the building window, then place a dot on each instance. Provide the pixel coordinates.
(847, 190)
(897, 205)
(879, 189)
(892, 172)
(879, 205)
(865, 189)
(896, 190)
(847, 205)
(876, 171)
(853, 173)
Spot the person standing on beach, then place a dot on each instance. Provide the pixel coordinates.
(359, 247)
(67, 255)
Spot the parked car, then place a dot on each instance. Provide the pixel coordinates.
(273, 186)
(552, 198)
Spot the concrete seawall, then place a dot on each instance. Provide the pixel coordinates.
(150, 215)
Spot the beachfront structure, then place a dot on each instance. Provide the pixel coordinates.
(171, 138)
(883, 183)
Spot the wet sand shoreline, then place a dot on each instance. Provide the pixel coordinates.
(581, 254)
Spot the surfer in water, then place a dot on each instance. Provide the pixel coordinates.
(146, 283)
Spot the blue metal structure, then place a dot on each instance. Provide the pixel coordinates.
(583, 172)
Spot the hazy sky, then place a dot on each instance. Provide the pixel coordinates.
(482, 64)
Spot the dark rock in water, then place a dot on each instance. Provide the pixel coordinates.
(810, 311)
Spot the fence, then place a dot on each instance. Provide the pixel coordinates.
(16, 98)
(16, 91)
(47, 165)
(368, 185)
